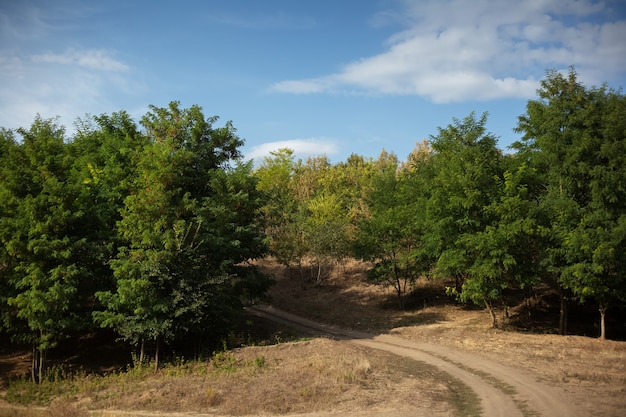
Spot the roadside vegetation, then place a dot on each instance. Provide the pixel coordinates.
(158, 233)
(284, 373)
(279, 370)
(549, 212)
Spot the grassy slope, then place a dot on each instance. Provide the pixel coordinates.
(321, 374)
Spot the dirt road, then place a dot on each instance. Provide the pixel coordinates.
(503, 391)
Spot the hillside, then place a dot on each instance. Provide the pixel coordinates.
(287, 371)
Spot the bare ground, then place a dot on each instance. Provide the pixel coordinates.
(434, 359)
(588, 373)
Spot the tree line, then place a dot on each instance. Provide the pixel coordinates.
(150, 229)
(145, 231)
(552, 211)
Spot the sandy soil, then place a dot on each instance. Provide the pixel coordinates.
(503, 390)
(514, 373)
(586, 374)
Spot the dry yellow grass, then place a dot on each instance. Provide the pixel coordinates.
(308, 376)
(322, 374)
(593, 371)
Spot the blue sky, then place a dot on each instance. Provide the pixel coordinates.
(331, 77)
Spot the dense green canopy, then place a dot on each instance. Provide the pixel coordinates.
(149, 228)
(147, 231)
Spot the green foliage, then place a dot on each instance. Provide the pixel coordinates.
(551, 212)
(280, 209)
(463, 228)
(152, 232)
(574, 136)
(466, 167)
(41, 237)
(390, 236)
(311, 208)
(188, 225)
(224, 362)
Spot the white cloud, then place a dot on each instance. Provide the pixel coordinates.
(93, 59)
(309, 86)
(40, 74)
(453, 51)
(302, 148)
(68, 85)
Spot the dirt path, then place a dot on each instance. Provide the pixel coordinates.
(503, 391)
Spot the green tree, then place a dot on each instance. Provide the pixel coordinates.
(280, 211)
(417, 174)
(353, 182)
(12, 162)
(188, 225)
(507, 248)
(326, 212)
(574, 137)
(389, 236)
(104, 154)
(597, 245)
(344, 189)
(325, 230)
(41, 239)
(467, 168)
(312, 208)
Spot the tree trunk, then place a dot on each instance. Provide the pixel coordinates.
(534, 294)
(527, 305)
(302, 278)
(38, 361)
(563, 313)
(602, 325)
(494, 318)
(37, 365)
(397, 284)
(318, 279)
(33, 365)
(401, 300)
(505, 307)
(156, 356)
(141, 352)
(42, 358)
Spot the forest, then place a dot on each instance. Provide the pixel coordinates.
(151, 229)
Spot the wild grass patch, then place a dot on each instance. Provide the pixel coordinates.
(291, 377)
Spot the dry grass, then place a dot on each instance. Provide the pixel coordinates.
(345, 298)
(321, 374)
(309, 376)
(593, 371)
(58, 408)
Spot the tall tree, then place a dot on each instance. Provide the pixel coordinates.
(12, 162)
(467, 166)
(325, 213)
(506, 251)
(326, 231)
(40, 233)
(597, 245)
(353, 183)
(280, 211)
(104, 153)
(389, 235)
(574, 136)
(188, 226)
(347, 186)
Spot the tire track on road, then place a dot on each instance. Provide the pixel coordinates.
(503, 391)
